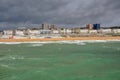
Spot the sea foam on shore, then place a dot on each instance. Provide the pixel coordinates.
(65, 41)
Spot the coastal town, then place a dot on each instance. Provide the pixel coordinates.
(53, 31)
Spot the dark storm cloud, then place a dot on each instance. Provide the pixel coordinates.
(14, 13)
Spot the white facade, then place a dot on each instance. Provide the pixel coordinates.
(63, 31)
(92, 31)
(84, 31)
(8, 32)
(116, 30)
(45, 31)
(34, 32)
(55, 32)
(68, 31)
(5, 36)
(106, 31)
(19, 33)
(1, 33)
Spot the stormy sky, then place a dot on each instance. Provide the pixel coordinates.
(29, 13)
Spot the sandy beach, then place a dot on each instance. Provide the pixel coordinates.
(59, 39)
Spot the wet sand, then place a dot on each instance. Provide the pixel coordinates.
(59, 39)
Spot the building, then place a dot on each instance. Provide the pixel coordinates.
(45, 32)
(55, 32)
(45, 26)
(34, 32)
(68, 31)
(53, 27)
(92, 31)
(89, 26)
(1, 33)
(84, 31)
(96, 26)
(62, 31)
(76, 30)
(8, 32)
(19, 33)
(115, 30)
(65, 31)
(106, 30)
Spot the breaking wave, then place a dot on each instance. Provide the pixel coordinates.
(35, 45)
(11, 57)
(79, 42)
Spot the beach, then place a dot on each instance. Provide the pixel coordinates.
(59, 39)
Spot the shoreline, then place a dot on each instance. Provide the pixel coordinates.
(61, 39)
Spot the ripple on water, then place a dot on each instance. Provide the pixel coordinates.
(35, 45)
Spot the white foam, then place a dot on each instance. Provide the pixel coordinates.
(3, 65)
(3, 58)
(81, 43)
(118, 49)
(61, 42)
(11, 42)
(6, 66)
(35, 45)
(14, 57)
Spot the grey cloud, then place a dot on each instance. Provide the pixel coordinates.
(61, 12)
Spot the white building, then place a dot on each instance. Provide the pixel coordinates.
(1, 33)
(19, 33)
(8, 32)
(106, 31)
(115, 30)
(84, 31)
(45, 31)
(63, 31)
(68, 31)
(55, 31)
(118, 30)
(34, 32)
(92, 31)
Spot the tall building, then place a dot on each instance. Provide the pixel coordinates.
(89, 26)
(96, 26)
(45, 26)
(53, 27)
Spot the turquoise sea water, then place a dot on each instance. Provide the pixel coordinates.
(60, 61)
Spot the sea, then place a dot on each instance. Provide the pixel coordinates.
(60, 60)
